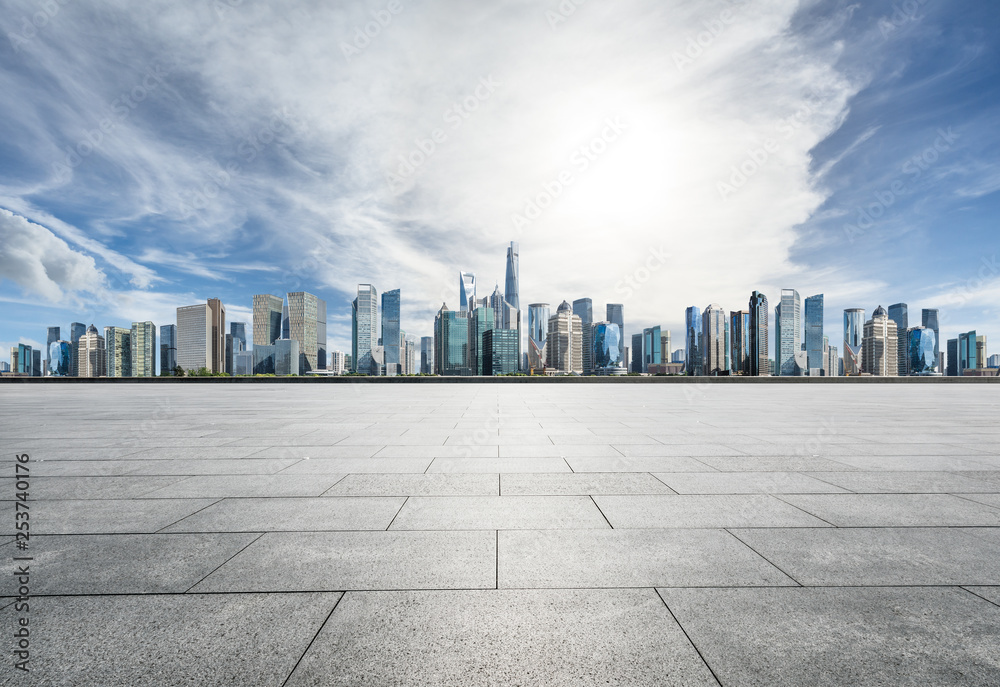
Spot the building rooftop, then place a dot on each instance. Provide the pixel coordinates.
(485, 534)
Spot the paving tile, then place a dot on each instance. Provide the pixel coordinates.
(302, 452)
(438, 452)
(750, 510)
(919, 463)
(905, 482)
(879, 556)
(895, 510)
(613, 440)
(127, 563)
(745, 483)
(649, 464)
(908, 636)
(368, 466)
(417, 485)
(630, 558)
(311, 561)
(553, 451)
(293, 514)
(112, 487)
(991, 594)
(498, 513)
(188, 453)
(211, 467)
(773, 464)
(175, 639)
(222, 486)
(988, 499)
(581, 484)
(497, 465)
(543, 637)
(110, 516)
(670, 450)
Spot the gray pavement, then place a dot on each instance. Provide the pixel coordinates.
(493, 534)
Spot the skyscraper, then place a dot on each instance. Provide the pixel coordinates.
(287, 358)
(952, 365)
(929, 319)
(76, 330)
(538, 332)
(451, 342)
(201, 336)
(971, 352)
(854, 332)
(615, 312)
(53, 336)
(693, 350)
(636, 353)
(584, 309)
(760, 365)
(143, 343)
(500, 352)
(815, 350)
(512, 288)
(832, 362)
(606, 358)
(168, 348)
(36, 362)
(239, 332)
(788, 331)
(652, 347)
(467, 291)
(427, 355)
(307, 325)
(899, 313)
(713, 338)
(364, 328)
(920, 350)
(118, 346)
(564, 344)
(880, 345)
(267, 310)
(91, 355)
(391, 331)
(481, 321)
(59, 353)
(22, 363)
(739, 342)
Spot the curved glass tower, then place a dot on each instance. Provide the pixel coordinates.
(854, 331)
(467, 291)
(511, 284)
(538, 334)
(606, 356)
(921, 351)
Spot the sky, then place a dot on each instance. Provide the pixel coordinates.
(659, 155)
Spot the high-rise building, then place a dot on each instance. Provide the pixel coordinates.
(564, 345)
(788, 332)
(739, 342)
(143, 344)
(972, 353)
(880, 345)
(665, 343)
(584, 309)
(391, 339)
(36, 362)
(59, 353)
(832, 362)
(236, 343)
(53, 336)
(694, 354)
(338, 362)
(951, 368)
(929, 319)
(287, 357)
(615, 312)
(677, 356)
(264, 359)
(76, 330)
(652, 347)
(606, 356)
(512, 287)
(201, 337)
(239, 333)
(815, 350)
(920, 349)
(306, 323)
(451, 342)
(427, 355)
(481, 320)
(267, 319)
(411, 357)
(899, 313)
(993, 362)
(500, 352)
(364, 328)
(713, 340)
(467, 291)
(760, 364)
(92, 359)
(168, 348)
(635, 350)
(538, 332)
(17, 355)
(854, 333)
(118, 346)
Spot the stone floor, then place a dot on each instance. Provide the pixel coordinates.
(495, 534)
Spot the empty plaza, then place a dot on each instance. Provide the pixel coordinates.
(503, 533)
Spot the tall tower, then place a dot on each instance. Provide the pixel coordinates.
(512, 283)
(616, 313)
(815, 350)
(391, 330)
(759, 364)
(306, 323)
(713, 339)
(76, 330)
(692, 339)
(929, 319)
(467, 291)
(564, 345)
(143, 349)
(854, 327)
(739, 342)
(880, 345)
(53, 336)
(267, 310)
(584, 309)
(898, 313)
(538, 333)
(364, 328)
(788, 336)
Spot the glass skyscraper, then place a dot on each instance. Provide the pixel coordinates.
(58, 357)
(467, 291)
(760, 364)
(788, 328)
(714, 340)
(451, 342)
(929, 319)
(899, 313)
(391, 331)
(143, 349)
(615, 312)
(635, 364)
(739, 342)
(652, 347)
(118, 345)
(364, 328)
(606, 350)
(427, 355)
(500, 352)
(922, 344)
(584, 309)
(76, 330)
(815, 350)
(267, 311)
(538, 334)
(53, 336)
(481, 321)
(168, 348)
(692, 337)
(511, 289)
(854, 332)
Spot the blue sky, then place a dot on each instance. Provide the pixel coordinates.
(253, 149)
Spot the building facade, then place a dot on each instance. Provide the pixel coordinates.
(693, 352)
(606, 355)
(854, 334)
(615, 312)
(168, 348)
(787, 332)
(467, 291)
(267, 315)
(899, 313)
(564, 343)
(451, 342)
(538, 333)
(427, 355)
(143, 342)
(500, 352)
(921, 346)
(92, 357)
(815, 346)
(739, 342)
(715, 341)
(118, 345)
(364, 328)
(391, 332)
(881, 346)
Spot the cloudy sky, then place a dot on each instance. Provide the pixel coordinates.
(658, 154)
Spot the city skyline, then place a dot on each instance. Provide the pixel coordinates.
(880, 185)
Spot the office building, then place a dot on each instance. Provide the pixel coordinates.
(364, 328)
(652, 347)
(538, 332)
(36, 362)
(238, 330)
(427, 355)
(714, 341)
(677, 356)
(951, 368)
(606, 355)
(759, 336)
(92, 359)
(411, 357)
(899, 313)
(304, 320)
(267, 319)
(481, 320)
(264, 359)
(467, 291)
(564, 343)
(118, 346)
(636, 356)
(392, 342)
(880, 345)
(972, 353)
(59, 354)
(143, 335)
(512, 288)
(665, 346)
(242, 363)
(201, 337)
(832, 366)
(500, 352)
(451, 342)
(694, 354)
(338, 362)
(739, 342)
(929, 319)
(287, 358)
(615, 312)
(787, 332)
(921, 343)
(168, 348)
(815, 347)
(51, 338)
(584, 309)
(854, 332)
(76, 330)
